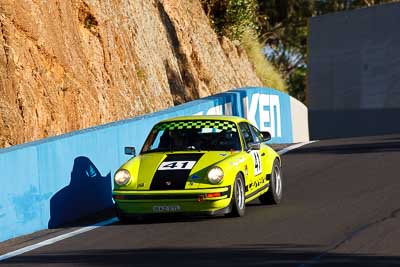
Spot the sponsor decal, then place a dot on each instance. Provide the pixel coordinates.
(177, 165)
(225, 109)
(173, 172)
(255, 155)
(267, 107)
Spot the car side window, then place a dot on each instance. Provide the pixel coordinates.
(246, 133)
(258, 137)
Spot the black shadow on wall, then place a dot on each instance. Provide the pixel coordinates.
(87, 193)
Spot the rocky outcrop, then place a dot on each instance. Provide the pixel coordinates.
(68, 65)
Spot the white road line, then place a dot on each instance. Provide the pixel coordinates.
(56, 239)
(287, 149)
(103, 223)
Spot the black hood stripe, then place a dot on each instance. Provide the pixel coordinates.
(175, 178)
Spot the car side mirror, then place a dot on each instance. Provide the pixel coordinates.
(130, 150)
(254, 146)
(266, 135)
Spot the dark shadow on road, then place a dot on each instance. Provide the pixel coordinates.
(164, 219)
(327, 124)
(393, 138)
(355, 148)
(87, 193)
(258, 255)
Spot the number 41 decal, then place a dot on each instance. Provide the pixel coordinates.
(257, 162)
(177, 165)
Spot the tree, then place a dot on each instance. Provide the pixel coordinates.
(284, 30)
(282, 27)
(232, 18)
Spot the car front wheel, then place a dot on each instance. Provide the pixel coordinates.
(238, 198)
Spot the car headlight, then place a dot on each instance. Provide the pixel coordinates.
(215, 175)
(122, 177)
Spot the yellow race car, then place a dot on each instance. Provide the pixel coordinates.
(198, 165)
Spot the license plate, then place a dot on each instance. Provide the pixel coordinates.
(167, 208)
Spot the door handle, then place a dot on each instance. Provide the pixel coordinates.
(263, 154)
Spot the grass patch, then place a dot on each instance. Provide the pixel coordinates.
(266, 72)
(141, 74)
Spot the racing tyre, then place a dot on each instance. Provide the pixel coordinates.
(238, 198)
(274, 194)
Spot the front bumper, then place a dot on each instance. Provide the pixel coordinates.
(197, 201)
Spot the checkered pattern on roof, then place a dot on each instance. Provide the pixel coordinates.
(196, 124)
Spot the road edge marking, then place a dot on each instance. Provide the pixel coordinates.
(56, 239)
(103, 223)
(289, 148)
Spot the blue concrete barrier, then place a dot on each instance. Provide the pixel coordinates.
(48, 183)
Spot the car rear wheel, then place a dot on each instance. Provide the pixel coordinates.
(238, 198)
(274, 194)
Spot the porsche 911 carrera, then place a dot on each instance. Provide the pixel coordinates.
(210, 165)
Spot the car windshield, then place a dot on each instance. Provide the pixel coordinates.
(217, 135)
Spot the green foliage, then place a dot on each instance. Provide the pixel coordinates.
(265, 71)
(232, 18)
(284, 33)
(238, 20)
(285, 30)
(281, 26)
(243, 16)
(297, 83)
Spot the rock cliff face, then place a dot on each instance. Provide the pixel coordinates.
(68, 65)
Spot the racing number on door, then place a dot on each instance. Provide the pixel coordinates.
(257, 162)
(177, 165)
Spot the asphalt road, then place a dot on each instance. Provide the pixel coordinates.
(341, 208)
